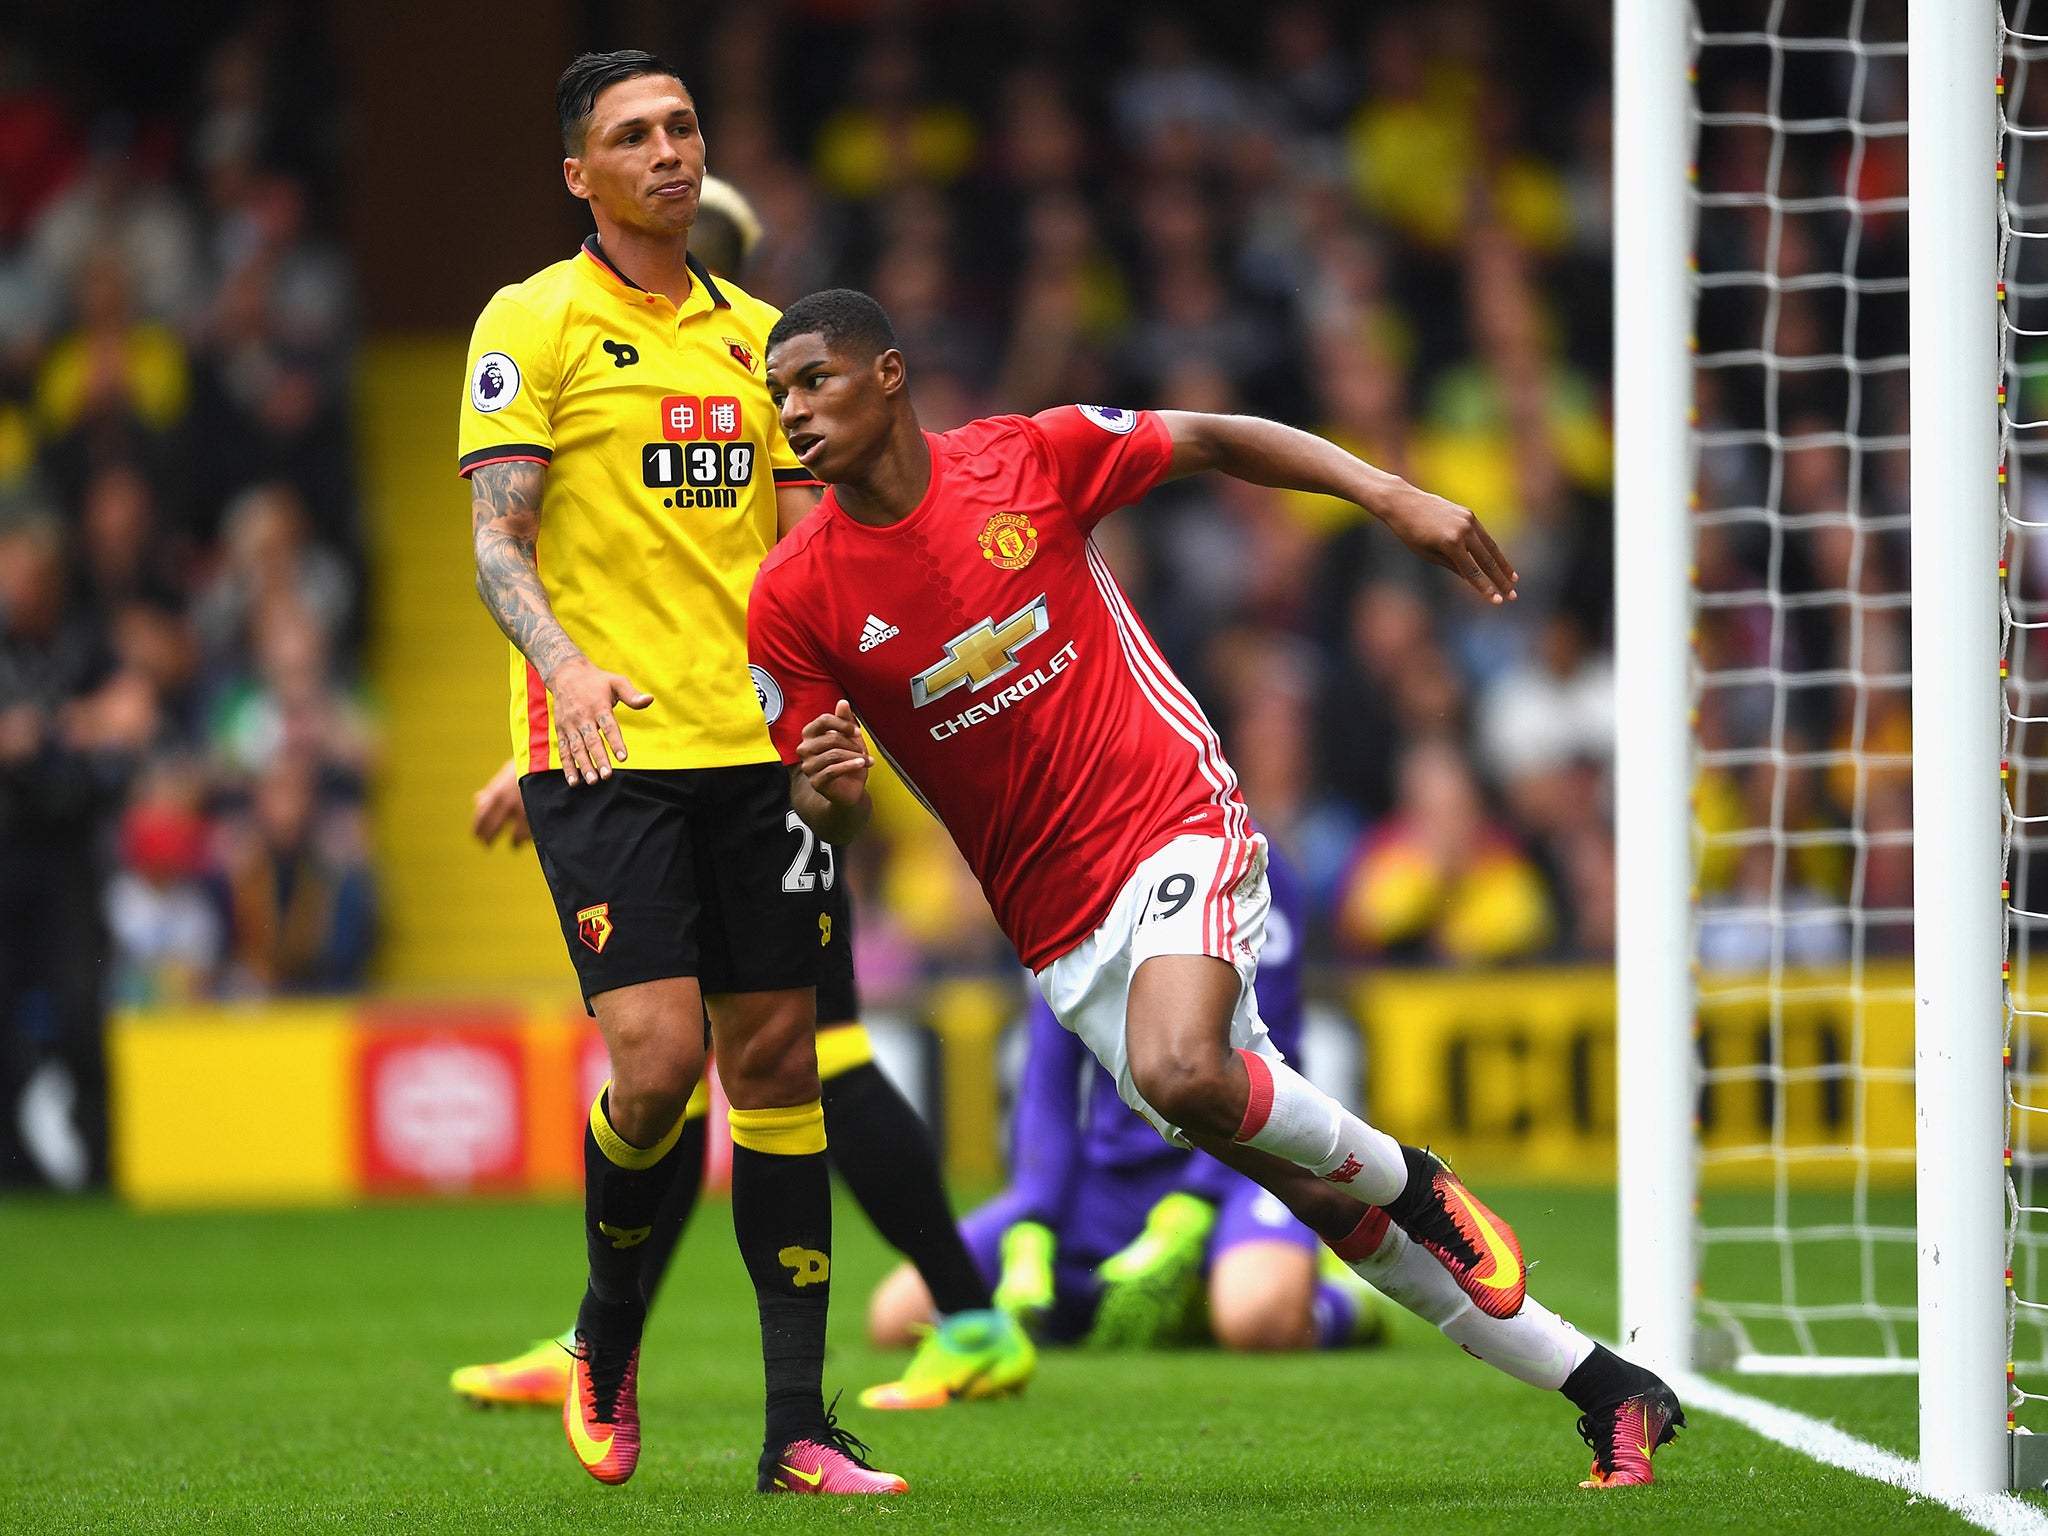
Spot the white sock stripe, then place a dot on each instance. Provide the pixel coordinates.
(1170, 696)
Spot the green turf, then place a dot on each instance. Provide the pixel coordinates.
(1841, 1250)
(285, 1373)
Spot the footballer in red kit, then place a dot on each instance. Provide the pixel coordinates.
(991, 653)
(946, 603)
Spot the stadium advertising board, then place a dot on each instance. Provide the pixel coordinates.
(1509, 1072)
(1512, 1072)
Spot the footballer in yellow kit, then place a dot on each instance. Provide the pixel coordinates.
(625, 467)
(663, 456)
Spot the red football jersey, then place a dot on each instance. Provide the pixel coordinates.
(995, 662)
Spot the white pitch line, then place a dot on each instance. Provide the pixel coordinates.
(2000, 1513)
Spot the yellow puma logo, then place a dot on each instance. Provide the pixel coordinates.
(625, 1237)
(807, 1265)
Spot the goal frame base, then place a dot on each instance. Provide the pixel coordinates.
(2026, 1462)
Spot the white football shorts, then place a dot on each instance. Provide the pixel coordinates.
(1199, 895)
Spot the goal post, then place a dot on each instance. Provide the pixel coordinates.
(1959, 1091)
(1653, 754)
(1812, 1096)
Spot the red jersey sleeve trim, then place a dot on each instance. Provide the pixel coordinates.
(539, 728)
(504, 453)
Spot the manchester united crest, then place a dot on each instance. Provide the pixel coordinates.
(1008, 541)
(594, 925)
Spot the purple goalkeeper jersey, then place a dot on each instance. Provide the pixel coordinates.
(1071, 1127)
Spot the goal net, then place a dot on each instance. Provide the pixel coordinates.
(2023, 473)
(1802, 806)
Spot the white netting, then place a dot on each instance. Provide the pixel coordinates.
(1803, 806)
(2023, 468)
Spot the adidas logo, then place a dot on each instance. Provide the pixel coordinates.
(874, 632)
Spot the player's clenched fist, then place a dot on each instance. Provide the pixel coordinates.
(584, 695)
(834, 756)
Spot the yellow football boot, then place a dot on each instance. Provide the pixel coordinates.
(537, 1379)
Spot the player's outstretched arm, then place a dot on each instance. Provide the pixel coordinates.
(829, 784)
(504, 505)
(1268, 453)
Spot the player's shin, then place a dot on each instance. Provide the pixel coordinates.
(782, 1217)
(672, 1216)
(1289, 1117)
(885, 1154)
(1535, 1346)
(623, 1190)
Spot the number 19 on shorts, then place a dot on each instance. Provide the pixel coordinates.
(1167, 898)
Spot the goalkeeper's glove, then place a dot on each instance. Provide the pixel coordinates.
(1025, 1289)
(1148, 1286)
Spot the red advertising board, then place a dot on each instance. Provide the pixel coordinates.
(443, 1109)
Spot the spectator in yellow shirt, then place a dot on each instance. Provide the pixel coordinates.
(1437, 880)
(111, 365)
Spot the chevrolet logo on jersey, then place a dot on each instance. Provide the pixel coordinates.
(977, 656)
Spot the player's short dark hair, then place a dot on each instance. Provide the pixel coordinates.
(589, 76)
(848, 319)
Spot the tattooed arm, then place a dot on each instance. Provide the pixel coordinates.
(505, 511)
(505, 515)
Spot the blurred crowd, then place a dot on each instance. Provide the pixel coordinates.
(1391, 224)
(183, 742)
(1386, 224)
(1804, 801)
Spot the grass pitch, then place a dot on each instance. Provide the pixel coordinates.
(287, 1373)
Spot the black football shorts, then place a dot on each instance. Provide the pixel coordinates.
(838, 996)
(703, 872)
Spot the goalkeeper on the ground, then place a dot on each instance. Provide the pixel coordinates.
(1110, 1236)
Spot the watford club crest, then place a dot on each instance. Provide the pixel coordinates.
(594, 925)
(1008, 541)
(741, 353)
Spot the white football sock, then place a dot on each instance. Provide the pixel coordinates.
(1291, 1118)
(1535, 1345)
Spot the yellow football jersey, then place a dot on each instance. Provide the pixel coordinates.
(663, 453)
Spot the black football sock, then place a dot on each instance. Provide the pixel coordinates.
(1417, 1196)
(782, 1216)
(623, 1186)
(885, 1154)
(672, 1217)
(610, 1324)
(1603, 1379)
